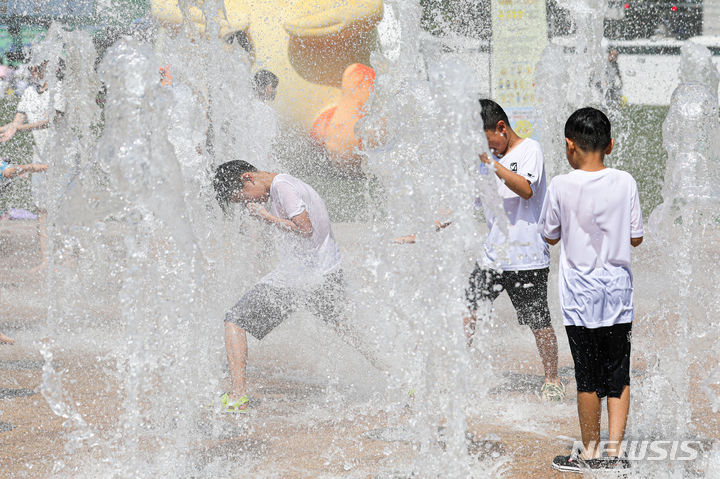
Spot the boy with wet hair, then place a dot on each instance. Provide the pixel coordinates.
(523, 271)
(309, 274)
(594, 212)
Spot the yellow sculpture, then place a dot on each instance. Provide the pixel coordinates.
(320, 51)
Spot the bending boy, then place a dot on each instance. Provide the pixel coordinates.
(309, 275)
(594, 212)
(523, 271)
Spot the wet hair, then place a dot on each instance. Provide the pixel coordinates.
(228, 180)
(589, 128)
(262, 79)
(492, 114)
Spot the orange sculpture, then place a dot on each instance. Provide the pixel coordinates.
(320, 51)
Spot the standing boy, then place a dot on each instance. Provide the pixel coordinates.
(518, 262)
(309, 274)
(595, 212)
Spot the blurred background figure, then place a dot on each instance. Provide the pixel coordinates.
(613, 80)
(7, 75)
(36, 113)
(264, 119)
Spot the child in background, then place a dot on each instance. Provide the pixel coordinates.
(594, 212)
(35, 113)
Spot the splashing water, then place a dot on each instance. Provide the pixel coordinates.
(685, 229)
(147, 265)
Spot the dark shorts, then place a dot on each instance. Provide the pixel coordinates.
(527, 291)
(602, 358)
(265, 306)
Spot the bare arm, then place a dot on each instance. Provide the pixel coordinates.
(518, 184)
(410, 239)
(636, 241)
(9, 130)
(32, 126)
(17, 170)
(35, 125)
(299, 224)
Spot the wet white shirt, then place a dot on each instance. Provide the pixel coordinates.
(523, 248)
(594, 214)
(36, 107)
(303, 261)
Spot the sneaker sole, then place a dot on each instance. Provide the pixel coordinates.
(566, 468)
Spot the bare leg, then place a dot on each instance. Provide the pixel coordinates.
(469, 326)
(618, 409)
(5, 339)
(236, 349)
(43, 240)
(589, 409)
(548, 349)
(483, 313)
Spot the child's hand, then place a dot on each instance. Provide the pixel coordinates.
(39, 168)
(257, 210)
(9, 133)
(484, 158)
(407, 239)
(440, 226)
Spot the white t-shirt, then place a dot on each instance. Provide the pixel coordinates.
(36, 107)
(594, 213)
(303, 261)
(524, 248)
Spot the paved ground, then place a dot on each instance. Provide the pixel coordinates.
(296, 428)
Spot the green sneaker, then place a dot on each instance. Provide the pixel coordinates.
(241, 405)
(553, 392)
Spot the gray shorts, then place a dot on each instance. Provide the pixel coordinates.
(265, 306)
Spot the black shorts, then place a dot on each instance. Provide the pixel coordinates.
(602, 358)
(527, 291)
(265, 306)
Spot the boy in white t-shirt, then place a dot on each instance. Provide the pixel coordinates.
(519, 262)
(309, 274)
(35, 113)
(595, 212)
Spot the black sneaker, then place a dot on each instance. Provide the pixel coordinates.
(570, 463)
(579, 465)
(615, 464)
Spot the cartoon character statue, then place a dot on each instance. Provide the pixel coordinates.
(319, 49)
